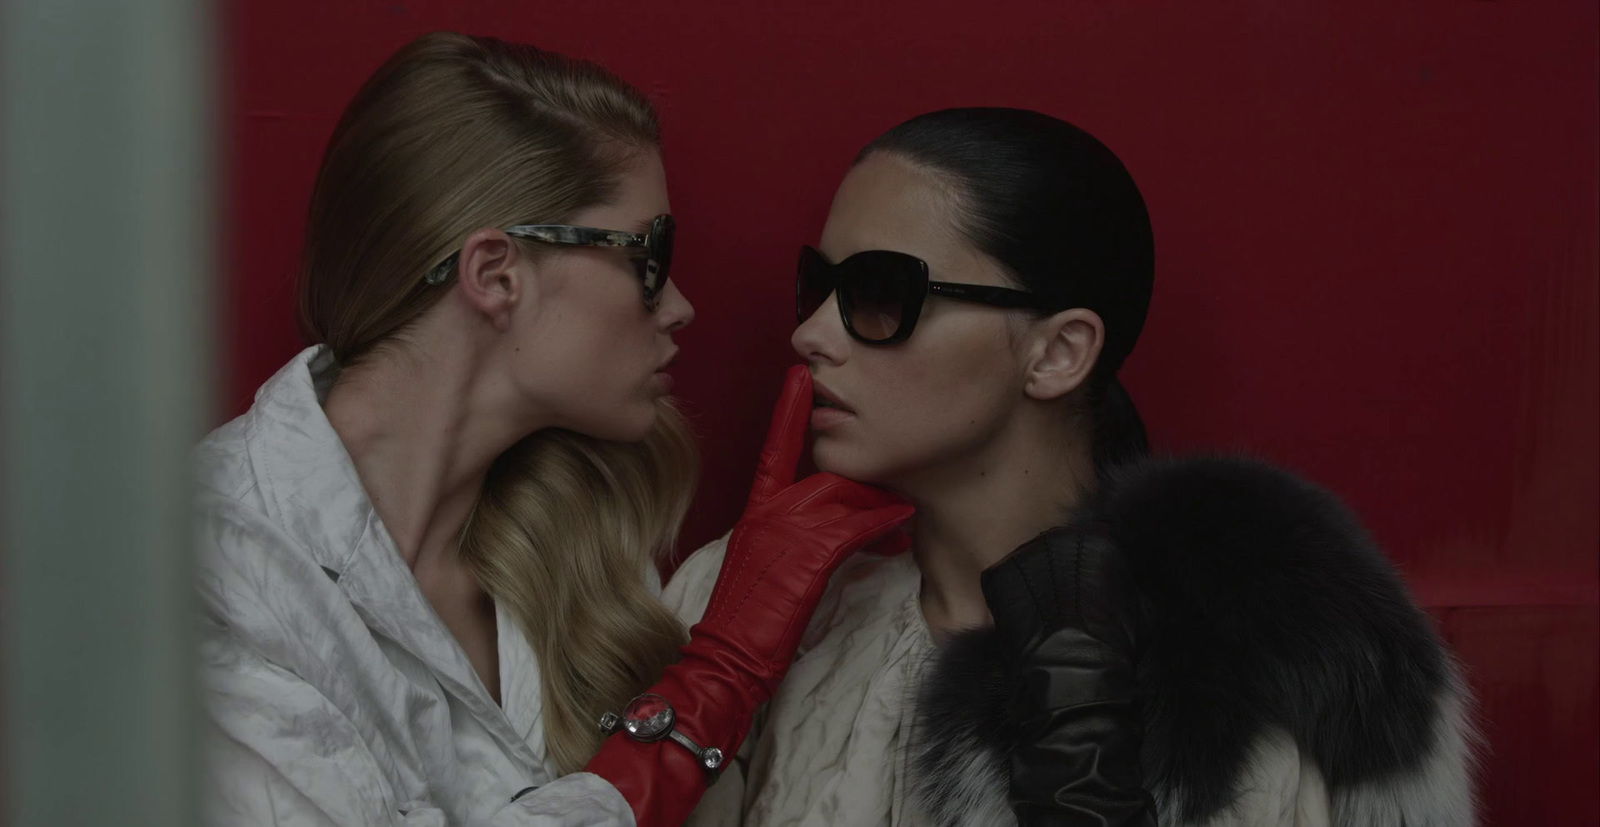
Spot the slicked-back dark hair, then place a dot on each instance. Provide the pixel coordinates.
(1061, 213)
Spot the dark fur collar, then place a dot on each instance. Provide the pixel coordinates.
(1265, 608)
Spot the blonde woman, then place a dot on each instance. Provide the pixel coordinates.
(427, 550)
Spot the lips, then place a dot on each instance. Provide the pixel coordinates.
(662, 379)
(822, 397)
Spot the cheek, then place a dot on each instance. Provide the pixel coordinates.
(591, 372)
(919, 408)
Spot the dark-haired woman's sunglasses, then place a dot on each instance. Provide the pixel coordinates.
(652, 266)
(881, 292)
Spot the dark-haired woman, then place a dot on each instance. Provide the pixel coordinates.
(1081, 635)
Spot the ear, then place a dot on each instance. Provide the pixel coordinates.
(1063, 353)
(488, 276)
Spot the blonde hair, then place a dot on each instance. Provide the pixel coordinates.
(451, 134)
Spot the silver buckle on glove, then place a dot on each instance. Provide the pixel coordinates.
(650, 717)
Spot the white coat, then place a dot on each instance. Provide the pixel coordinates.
(333, 693)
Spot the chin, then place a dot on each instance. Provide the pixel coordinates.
(833, 456)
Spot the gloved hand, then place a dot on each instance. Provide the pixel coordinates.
(781, 553)
(1063, 605)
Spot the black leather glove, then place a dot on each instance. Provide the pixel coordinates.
(1064, 606)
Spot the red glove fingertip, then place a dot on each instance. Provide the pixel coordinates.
(786, 437)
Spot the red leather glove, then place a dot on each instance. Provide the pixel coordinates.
(781, 553)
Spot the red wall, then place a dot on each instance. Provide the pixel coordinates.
(1376, 235)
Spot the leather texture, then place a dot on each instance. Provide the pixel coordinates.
(1063, 606)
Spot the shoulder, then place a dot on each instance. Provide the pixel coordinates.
(1232, 508)
(231, 532)
(253, 578)
(221, 463)
(1266, 606)
(1270, 626)
(1269, 561)
(1228, 542)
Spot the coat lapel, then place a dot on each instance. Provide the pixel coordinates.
(311, 488)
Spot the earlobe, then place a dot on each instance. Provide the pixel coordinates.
(1065, 353)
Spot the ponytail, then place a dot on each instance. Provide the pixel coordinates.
(1119, 435)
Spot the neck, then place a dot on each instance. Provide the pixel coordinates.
(416, 424)
(974, 513)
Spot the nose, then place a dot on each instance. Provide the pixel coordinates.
(822, 337)
(675, 312)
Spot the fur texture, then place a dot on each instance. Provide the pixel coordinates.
(1265, 609)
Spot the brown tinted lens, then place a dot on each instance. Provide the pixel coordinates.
(812, 284)
(659, 250)
(874, 287)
